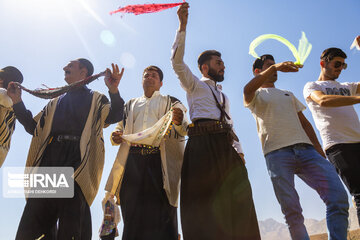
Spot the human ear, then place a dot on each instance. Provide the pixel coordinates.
(204, 68)
(256, 71)
(84, 73)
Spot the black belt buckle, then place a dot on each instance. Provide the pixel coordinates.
(61, 138)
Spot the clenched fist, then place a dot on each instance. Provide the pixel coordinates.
(178, 116)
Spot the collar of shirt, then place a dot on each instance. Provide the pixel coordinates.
(79, 89)
(211, 83)
(156, 93)
(217, 87)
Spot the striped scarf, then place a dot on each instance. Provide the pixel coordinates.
(50, 93)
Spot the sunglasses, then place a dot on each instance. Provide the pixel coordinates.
(338, 64)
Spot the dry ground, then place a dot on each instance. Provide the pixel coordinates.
(353, 235)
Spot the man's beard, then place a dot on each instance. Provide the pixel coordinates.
(330, 73)
(215, 76)
(332, 76)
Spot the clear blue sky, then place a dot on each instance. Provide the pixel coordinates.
(41, 36)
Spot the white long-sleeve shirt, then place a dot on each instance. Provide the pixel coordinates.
(200, 99)
(147, 111)
(142, 113)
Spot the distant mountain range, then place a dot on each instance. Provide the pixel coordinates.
(273, 230)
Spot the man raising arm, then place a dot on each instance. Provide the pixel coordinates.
(216, 198)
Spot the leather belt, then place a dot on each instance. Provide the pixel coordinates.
(291, 147)
(298, 146)
(61, 138)
(144, 150)
(205, 127)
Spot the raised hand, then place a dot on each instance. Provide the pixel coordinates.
(287, 67)
(14, 92)
(112, 78)
(183, 13)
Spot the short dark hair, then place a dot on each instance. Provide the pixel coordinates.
(84, 63)
(206, 56)
(259, 62)
(330, 53)
(10, 74)
(156, 69)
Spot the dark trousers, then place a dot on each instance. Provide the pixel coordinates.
(145, 208)
(111, 236)
(216, 198)
(346, 159)
(57, 218)
(67, 218)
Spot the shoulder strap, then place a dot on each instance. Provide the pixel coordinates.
(223, 114)
(126, 111)
(173, 99)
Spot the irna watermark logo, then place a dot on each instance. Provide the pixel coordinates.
(38, 182)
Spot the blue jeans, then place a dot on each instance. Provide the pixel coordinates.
(304, 161)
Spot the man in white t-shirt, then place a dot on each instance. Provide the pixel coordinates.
(291, 147)
(331, 104)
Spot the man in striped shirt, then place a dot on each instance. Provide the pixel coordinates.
(7, 116)
(68, 133)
